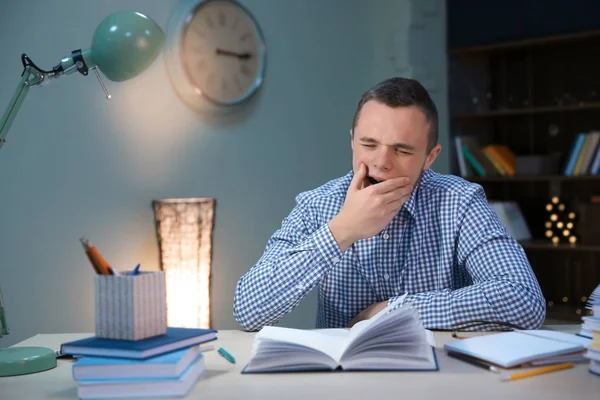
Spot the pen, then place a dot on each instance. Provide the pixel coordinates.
(226, 355)
(135, 270)
(537, 371)
(472, 361)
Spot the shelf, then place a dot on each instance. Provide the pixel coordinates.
(533, 178)
(529, 111)
(542, 245)
(516, 44)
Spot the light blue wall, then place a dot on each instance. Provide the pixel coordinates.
(77, 165)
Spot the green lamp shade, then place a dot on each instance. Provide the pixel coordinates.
(125, 44)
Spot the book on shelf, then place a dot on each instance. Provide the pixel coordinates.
(584, 155)
(509, 213)
(168, 365)
(394, 339)
(177, 386)
(521, 347)
(477, 160)
(175, 338)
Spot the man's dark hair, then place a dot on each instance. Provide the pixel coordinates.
(403, 92)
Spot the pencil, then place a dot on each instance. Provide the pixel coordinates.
(472, 361)
(101, 266)
(537, 371)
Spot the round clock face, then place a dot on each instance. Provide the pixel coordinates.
(222, 51)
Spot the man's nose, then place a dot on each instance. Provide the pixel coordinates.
(383, 158)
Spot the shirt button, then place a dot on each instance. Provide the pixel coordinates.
(386, 236)
(386, 277)
(335, 260)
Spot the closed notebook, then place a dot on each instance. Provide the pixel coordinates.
(174, 339)
(394, 339)
(143, 387)
(169, 365)
(511, 349)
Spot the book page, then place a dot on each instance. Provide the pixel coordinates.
(331, 345)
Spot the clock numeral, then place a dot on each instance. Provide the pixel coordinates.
(198, 31)
(209, 22)
(210, 80)
(235, 23)
(245, 70)
(224, 86)
(245, 36)
(237, 82)
(222, 18)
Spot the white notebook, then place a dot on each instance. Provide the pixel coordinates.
(510, 349)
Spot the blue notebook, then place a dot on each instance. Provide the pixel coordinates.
(143, 387)
(174, 339)
(168, 365)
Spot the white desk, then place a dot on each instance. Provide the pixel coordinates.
(222, 380)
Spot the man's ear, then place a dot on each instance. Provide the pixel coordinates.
(352, 139)
(432, 156)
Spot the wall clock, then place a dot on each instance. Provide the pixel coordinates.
(215, 53)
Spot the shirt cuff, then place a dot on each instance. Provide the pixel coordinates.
(398, 301)
(327, 246)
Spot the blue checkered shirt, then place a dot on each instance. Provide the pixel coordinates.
(445, 250)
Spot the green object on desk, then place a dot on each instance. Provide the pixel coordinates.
(123, 45)
(226, 355)
(26, 360)
(22, 360)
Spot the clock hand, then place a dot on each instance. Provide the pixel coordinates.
(241, 56)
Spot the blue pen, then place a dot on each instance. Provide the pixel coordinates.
(226, 355)
(135, 270)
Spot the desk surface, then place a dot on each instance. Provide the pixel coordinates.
(222, 380)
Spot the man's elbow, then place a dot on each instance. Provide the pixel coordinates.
(244, 312)
(245, 318)
(526, 309)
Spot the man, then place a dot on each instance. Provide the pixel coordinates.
(393, 228)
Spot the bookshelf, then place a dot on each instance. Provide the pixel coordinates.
(535, 96)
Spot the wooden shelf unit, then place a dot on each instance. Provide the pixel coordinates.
(535, 96)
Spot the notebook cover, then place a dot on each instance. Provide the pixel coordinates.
(175, 338)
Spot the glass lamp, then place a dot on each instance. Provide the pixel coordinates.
(184, 232)
(123, 45)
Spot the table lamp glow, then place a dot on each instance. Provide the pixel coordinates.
(124, 45)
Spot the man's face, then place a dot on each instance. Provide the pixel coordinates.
(392, 142)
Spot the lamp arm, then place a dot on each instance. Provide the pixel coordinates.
(78, 61)
(15, 103)
(3, 325)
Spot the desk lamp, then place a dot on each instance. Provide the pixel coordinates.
(123, 45)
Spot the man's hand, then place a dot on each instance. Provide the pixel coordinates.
(367, 211)
(368, 313)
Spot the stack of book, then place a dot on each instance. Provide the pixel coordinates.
(591, 329)
(477, 160)
(163, 366)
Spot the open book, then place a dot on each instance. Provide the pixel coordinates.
(394, 339)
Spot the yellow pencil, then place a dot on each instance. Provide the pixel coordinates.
(537, 371)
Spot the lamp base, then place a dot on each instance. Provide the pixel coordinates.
(25, 360)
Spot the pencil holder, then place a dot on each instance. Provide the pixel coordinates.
(131, 307)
